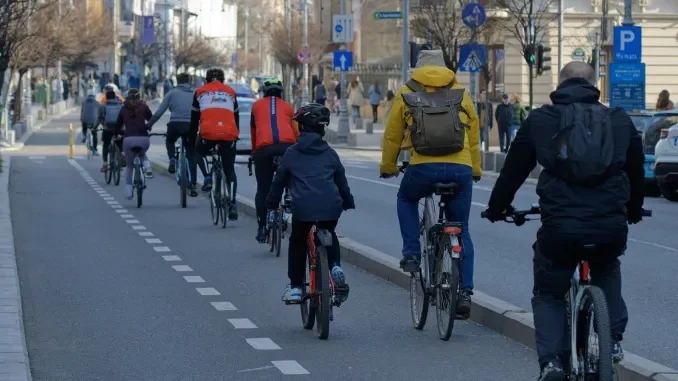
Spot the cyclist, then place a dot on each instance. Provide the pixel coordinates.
(115, 90)
(179, 100)
(462, 167)
(89, 117)
(273, 131)
(215, 112)
(315, 177)
(583, 216)
(133, 117)
(108, 117)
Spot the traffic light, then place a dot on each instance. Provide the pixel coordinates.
(529, 55)
(543, 59)
(414, 52)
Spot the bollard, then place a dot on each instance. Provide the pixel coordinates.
(369, 127)
(70, 140)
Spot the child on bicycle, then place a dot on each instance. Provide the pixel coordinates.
(317, 184)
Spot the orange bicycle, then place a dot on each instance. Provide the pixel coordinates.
(319, 293)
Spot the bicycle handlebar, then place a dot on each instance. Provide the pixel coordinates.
(519, 217)
(157, 134)
(401, 168)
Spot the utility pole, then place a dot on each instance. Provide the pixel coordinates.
(247, 39)
(561, 21)
(305, 91)
(531, 37)
(288, 26)
(142, 63)
(59, 88)
(405, 44)
(473, 88)
(343, 129)
(628, 10)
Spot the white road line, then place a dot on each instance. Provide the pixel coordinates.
(207, 291)
(653, 244)
(138, 227)
(145, 234)
(126, 216)
(161, 249)
(262, 344)
(108, 198)
(182, 268)
(132, 221)
(223, 306)
(289, 367)
(153, 240)
(112, 202)
(194, 279)
(242, 323)
(122, 211)
(116, 206)
(171, 258)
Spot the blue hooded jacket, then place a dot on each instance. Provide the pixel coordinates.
(316, 180)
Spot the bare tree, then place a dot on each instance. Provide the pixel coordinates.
(14, 18)
(197, 52)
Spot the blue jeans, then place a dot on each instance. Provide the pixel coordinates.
(416, 184)
(356, 112)
(513, 130)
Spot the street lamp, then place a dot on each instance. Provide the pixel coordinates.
(306, 90)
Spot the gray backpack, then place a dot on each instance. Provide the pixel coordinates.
(112, 111)
(437, 129)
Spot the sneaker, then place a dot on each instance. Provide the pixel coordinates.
(207, 186)
(129, 191)
(409, 263)
(95, 152)
(464, 303)
(194, 191)
(149, 173)
(171, 168)
(292, 294)
(338, 276)
(261, 235)
(553, 371)
(104, 168)
(233, 212)
(617, 352)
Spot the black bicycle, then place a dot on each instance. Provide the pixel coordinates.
(183, 175)
(587, 316)
(114, 162)
(138, 175)
(220, 194)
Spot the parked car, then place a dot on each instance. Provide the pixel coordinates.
(241, 90)
(666, 163)
(660, 120)
(244, 145)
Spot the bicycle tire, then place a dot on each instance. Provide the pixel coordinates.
(271, 238)
(417, 290)
(118, 165)
(108, 175)
(594, 305)
(277, 236)
(447, 293)
(215, 195)
(225, 201)
(308, 301)
(323, 302)
(183, 184)
(139, 185)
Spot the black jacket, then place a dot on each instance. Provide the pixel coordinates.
(504, 115)
(567, 207)
(316, 180)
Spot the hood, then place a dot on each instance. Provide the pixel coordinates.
(435, 76)
(184, 87)
(113, 101)
(91, 98)
(311, 143)
(575, 90)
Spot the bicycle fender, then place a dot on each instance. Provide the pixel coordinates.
(324, 236)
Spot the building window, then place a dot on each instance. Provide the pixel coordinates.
(604, 78)
(495, 70)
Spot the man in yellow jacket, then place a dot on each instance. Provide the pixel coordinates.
(462, 168)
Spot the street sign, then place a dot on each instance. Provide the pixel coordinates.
(473, 15)
(234, 60)
(579, 54)
(343, 61)
(390, 15)
(304, 56)
(472, 57)
(627, 85)
(342, 28)
(628, 44)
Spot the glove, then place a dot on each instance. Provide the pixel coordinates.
(634, 216)
(493, 215)
(476, 179)
(348, 204)
(389, 175)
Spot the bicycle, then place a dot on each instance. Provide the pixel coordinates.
(89, 138)
(276, 220)
(319, 293)
(114, 162)
(587, 316)
(218, 202)
(438, 280)
(138, 175)
(183, 175)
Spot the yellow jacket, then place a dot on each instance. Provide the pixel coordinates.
(396, 135)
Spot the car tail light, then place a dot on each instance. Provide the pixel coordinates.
(664, 133)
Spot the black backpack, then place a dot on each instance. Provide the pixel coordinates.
(584, 144)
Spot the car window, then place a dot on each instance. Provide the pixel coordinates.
(244, 107)
(240, 87)
(641, 122)
(654, 127)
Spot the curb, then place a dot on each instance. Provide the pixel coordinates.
(22, 142)
(504, 318)
(14, 362)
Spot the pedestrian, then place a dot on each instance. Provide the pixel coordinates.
(374, 93)
(320, 93)
(485, 110)
(388, 104)
(355, 97)
(664, 102)
(591, 186)
(519, 115)
(337, 101)
(504, 118)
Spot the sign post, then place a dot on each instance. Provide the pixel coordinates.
(627, 72)
(473, 15)
(342, 32)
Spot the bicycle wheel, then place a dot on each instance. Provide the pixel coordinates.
(419, 297)
(447, 290)
(271, 235)
(108, 175)
(139, 184)
(88, 145)
(215, 208)
(225, 201)
(277, 234)
(308, 301)
(183, 183)
(594, 335)
(118, 166)
(322, 284)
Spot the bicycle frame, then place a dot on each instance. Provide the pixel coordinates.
(580, 281)
(325, 239)
(179, 148)
(431, 232)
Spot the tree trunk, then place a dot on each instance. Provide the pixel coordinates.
(18, 98)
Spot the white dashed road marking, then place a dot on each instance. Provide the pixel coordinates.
(208, 291)
(182, 268)
(171, 258)
(289, 367)
(139, 227)
(263, 344)
(126, 216)
(153, 240)
(121, 211)
(145, 234)
(161, 249)
(132, 221)
(194, 279)
(224, 306)
(242, 323)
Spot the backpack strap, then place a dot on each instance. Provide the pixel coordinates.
(415, 86)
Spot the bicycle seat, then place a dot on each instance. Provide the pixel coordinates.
(445, 188)
(136, 150)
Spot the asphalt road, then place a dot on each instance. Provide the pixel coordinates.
(112, 292)
(503, 252)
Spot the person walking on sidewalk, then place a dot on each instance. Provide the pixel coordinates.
(355, 97)
(375, 98)
(519, 115)
(320, 94)
(504, 118)
(485, 110)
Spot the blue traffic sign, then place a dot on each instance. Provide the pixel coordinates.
(473, 15)
(628, 44)
(338, 28)
(472, 57)
(388, 15)
(343, 61)
(627, 85)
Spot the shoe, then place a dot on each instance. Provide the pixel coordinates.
(104, 168)
(129, 191)
(95, 152)
(194, 191)
(553, 371)
(171, 168)
(84, 139)
(617, 352)
(261, 235)
(338, 276)
(123, 162)
(410, 263)
(464, 303)
(207, 186)
(233, 212)
(149, 174)
(292, 294)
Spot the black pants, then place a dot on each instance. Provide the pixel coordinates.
(226, 152)
(375, 113)
(176, 130)
(106, 137)
(263, 170)
(504, 139)
(555, 259)
(296, 256)
(95, 141)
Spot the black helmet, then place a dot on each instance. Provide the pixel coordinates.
(214, 73)
(313, 117)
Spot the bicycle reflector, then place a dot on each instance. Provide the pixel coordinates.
(452, 230)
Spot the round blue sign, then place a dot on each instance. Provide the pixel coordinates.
(473, 15)
(338, 28)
